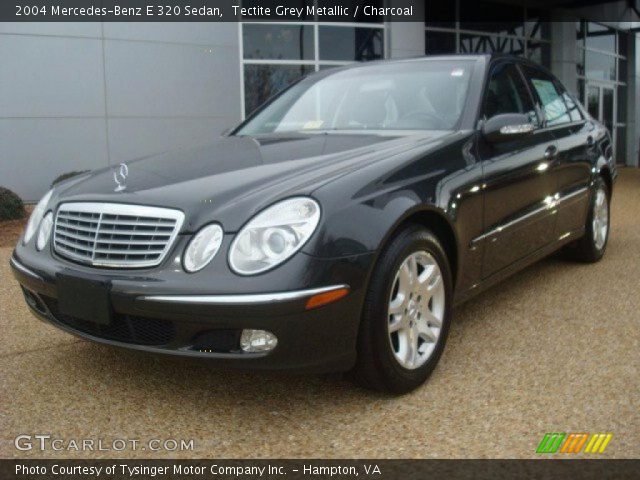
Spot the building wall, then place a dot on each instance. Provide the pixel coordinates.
(406, 39)
(563, 50)
(77, 96)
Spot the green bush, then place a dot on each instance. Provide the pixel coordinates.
(11, 206)
(66, 176)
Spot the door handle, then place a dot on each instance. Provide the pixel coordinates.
(550, 152)
(590, 141)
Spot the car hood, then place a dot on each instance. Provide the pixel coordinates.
(231, 179)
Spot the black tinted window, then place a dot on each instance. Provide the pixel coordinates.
(507, 93)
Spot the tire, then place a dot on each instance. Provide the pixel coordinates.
(591, 246)
(388, 359)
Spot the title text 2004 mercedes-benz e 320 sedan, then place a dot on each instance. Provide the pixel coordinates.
(335, 228)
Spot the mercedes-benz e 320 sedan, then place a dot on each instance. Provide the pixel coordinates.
(333, 230)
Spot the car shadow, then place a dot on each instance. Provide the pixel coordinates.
(181, 379)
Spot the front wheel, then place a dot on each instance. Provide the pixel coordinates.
(406, 314)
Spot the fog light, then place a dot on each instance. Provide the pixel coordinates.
(257, 341)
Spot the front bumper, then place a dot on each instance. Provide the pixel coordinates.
(153, 315)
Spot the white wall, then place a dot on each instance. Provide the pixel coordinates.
(406, 39)
(76, 96)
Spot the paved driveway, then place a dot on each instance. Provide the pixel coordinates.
(554, 348)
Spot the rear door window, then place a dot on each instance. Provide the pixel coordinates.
(551, 98)
(572, 106)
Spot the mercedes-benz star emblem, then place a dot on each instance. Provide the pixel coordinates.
(120, 174)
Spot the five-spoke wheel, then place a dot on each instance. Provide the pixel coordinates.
(416, 309)
(591, 246)
(406, 314)
(600, 218)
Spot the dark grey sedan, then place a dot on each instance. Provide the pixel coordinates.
(335, 228)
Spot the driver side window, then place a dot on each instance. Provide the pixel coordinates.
(507, 93)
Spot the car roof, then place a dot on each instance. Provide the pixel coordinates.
(487, 58)
(401, 61)
(456, 56)
(424, 58)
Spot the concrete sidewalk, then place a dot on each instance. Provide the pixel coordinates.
(553, 349)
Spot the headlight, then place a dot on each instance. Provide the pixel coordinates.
(274, 235)
(36, 217)
(202, 248)
(45, 231)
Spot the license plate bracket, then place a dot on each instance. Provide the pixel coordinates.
(83, 297)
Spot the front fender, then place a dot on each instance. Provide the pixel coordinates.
(361, 211)
(362, 225)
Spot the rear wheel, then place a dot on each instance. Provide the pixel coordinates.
(591, 247)
(406, 314)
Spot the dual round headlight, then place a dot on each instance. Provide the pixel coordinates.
(202, 248)
(44, 232)
(274, 235)
(266, 241)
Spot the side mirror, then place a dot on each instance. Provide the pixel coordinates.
(507, 127)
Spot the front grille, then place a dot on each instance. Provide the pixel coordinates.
(123, 328)
(115, 235)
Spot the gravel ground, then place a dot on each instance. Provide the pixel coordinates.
(554, 348)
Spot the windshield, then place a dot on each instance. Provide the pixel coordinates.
(421, 95)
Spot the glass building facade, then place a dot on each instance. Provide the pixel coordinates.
(275, 54)
(487, 27)
(601, 54)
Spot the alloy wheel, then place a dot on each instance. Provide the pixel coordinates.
(416, 310)
(600, 222)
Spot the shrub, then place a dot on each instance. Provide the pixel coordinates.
(11, 206)
(66, 176)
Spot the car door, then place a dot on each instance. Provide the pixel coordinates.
(517, 185)
(576, 147)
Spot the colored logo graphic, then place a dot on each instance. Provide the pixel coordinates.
(573, 443)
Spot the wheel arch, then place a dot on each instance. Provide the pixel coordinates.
(605, 173)
(438, 223)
